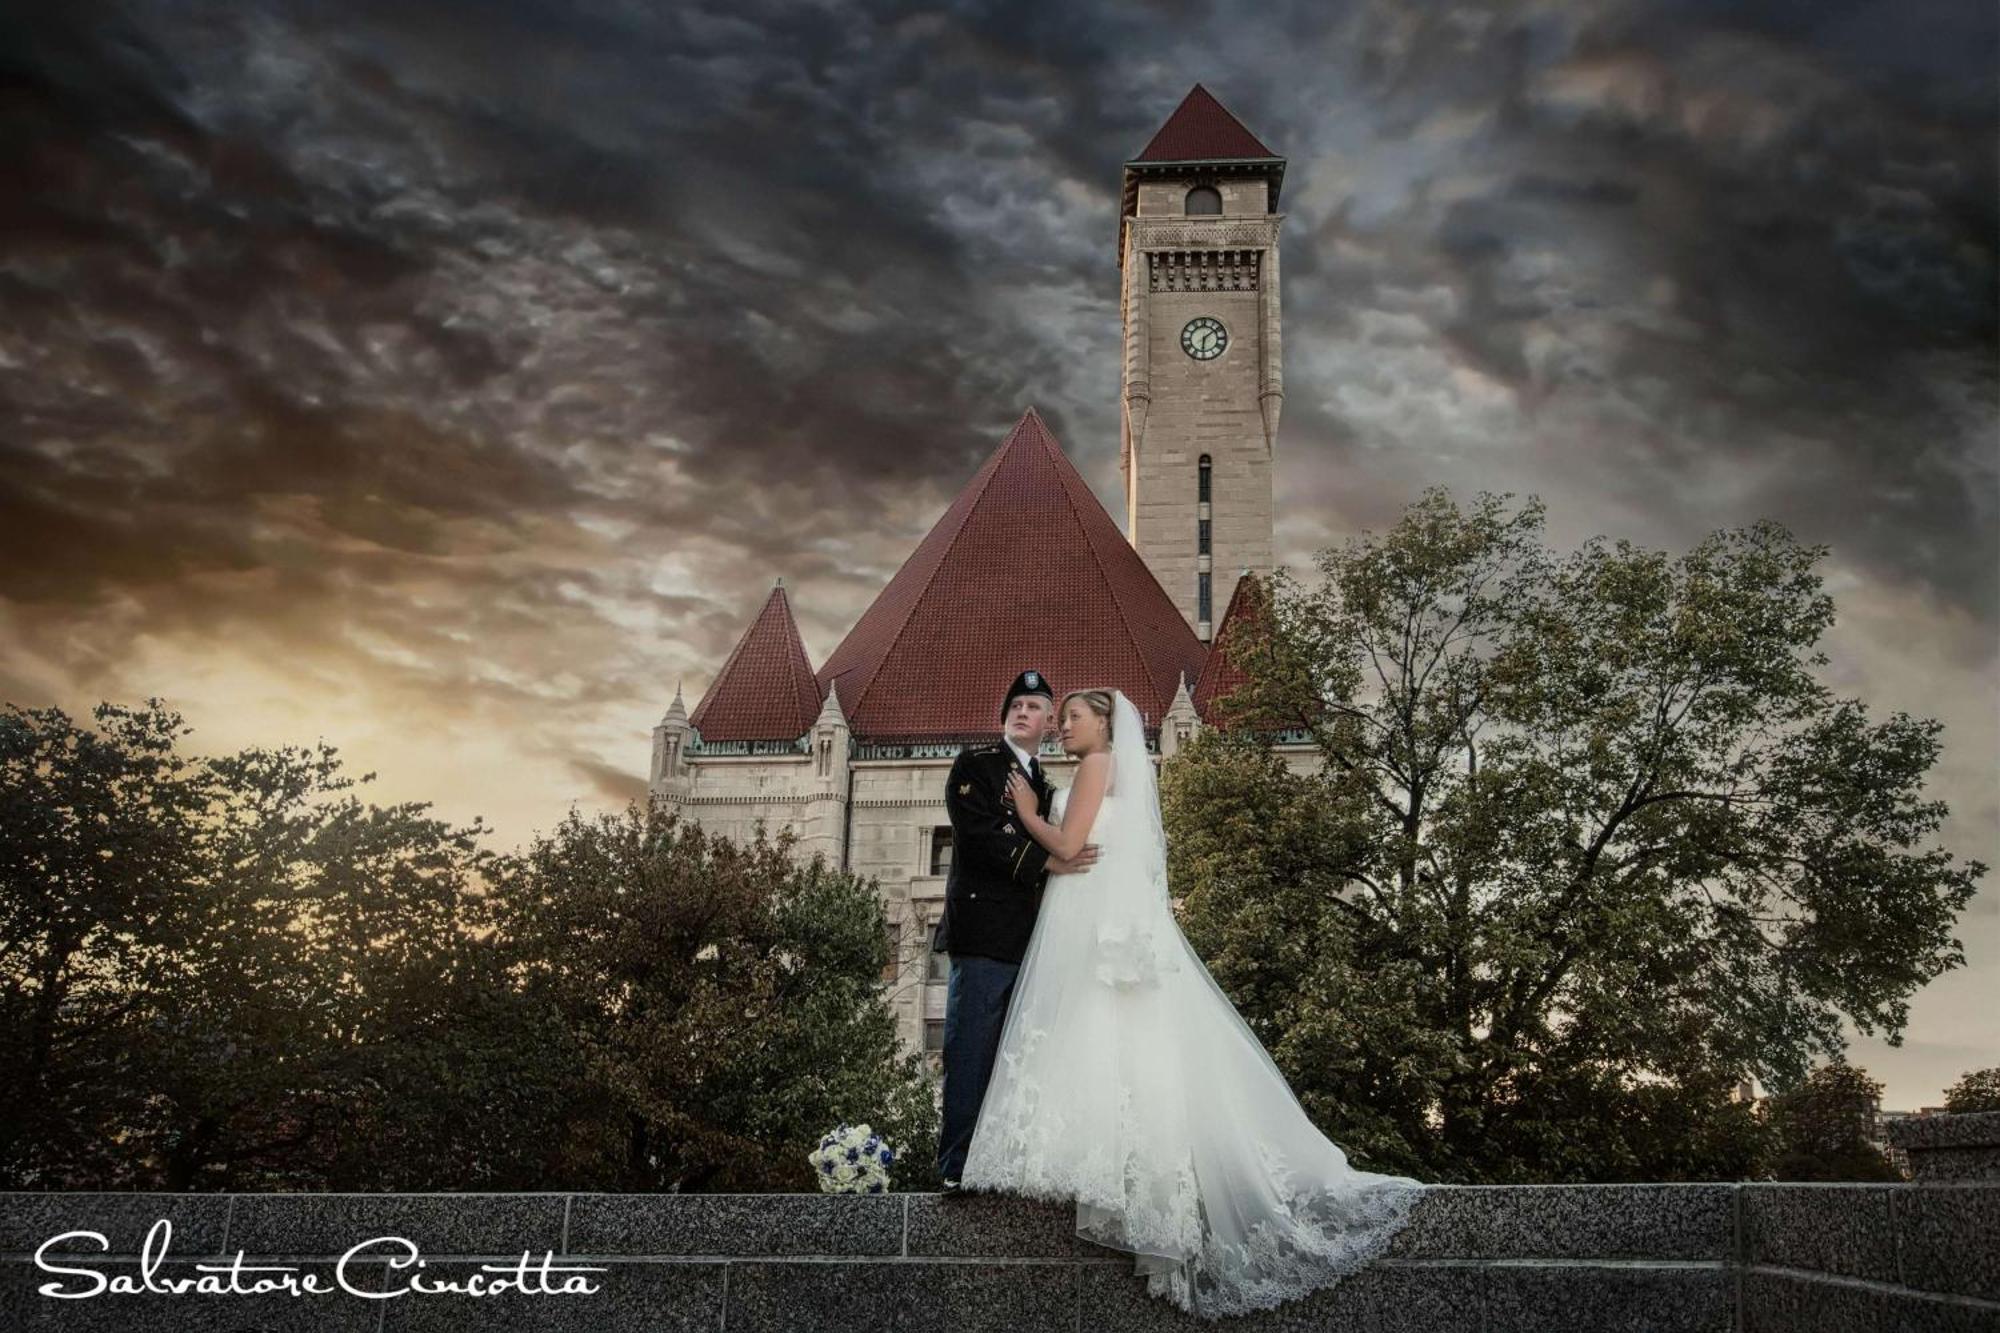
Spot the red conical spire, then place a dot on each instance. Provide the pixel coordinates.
(1202, 130)
(765, 691)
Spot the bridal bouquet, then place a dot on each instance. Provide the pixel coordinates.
(852, 1159)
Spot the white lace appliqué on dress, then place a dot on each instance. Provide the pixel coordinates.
(1127, 1082)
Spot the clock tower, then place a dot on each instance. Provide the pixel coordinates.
(1198, 255)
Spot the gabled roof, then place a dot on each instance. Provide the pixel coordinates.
(765, 691)
(1202, 130)
(1024, 569)
(1220, 674)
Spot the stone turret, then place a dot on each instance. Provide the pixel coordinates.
(1181, 724)
(670, 775)
(823, 826)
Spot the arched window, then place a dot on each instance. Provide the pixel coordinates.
(1203, 199)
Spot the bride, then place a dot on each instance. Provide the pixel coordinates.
(1128, 1082)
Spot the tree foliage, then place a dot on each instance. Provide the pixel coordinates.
(222, 970)
(1976, 1090)
(1825, 1125)
(722, 997)
(1587, 842)
(231, 973)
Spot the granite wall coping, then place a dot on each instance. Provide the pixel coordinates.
(1952, 1129)
(1667, 1256)
(1953, 1146)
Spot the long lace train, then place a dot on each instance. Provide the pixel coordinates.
(1127, 1082)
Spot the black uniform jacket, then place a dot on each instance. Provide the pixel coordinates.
(994, 887)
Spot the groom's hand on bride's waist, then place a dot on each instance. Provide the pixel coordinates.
(1073, 865)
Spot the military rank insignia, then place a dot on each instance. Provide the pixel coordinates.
(965, 789)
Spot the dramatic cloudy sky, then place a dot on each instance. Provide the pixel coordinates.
(448, 380)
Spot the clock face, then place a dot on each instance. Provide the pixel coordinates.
(1204, 338)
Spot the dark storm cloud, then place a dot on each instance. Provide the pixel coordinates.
(1706, 247)
(500, 355)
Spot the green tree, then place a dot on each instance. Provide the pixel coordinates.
(1824, 1127)
(1262, 862)
(1587, 842)
(722, 1000)
(99, 832)
(226, 973)
(1976, 1090)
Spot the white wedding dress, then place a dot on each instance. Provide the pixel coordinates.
(1127, 1081)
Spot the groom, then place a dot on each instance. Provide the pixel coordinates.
(991, 896)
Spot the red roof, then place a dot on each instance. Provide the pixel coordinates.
(765, 691)
(1025, 569)
(1202, 130)
(1220, 675)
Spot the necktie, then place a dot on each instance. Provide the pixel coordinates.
(1034, 770)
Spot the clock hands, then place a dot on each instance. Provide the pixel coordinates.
(1204, 338)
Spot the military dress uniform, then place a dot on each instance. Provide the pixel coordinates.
(994, 887)
(992, 894)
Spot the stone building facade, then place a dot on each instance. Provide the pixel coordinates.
(852, 756)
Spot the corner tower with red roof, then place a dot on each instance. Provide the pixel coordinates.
(765, 690)
(1198, 251)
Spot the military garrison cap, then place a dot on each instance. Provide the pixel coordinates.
(1028, 682)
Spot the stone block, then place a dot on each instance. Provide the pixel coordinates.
(1598, 1298)
(496, 1225)
(23, 1309)
(1960, 1145)
(895, 1297)
(631, 1297)
(1949, 1238)
(1384, 1298)
(1797, 1303)
(197, 1222)
(837, 1225)
(1638, 1221)
(1842, 1229)
(992, 1226)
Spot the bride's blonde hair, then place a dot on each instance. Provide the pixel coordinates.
(1097, 701)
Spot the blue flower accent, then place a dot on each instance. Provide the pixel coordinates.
(826, 1168)
(853, 1155)
(876, 1188)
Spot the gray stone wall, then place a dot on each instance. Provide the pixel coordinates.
(1953, 1146)
(1489, 1259)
